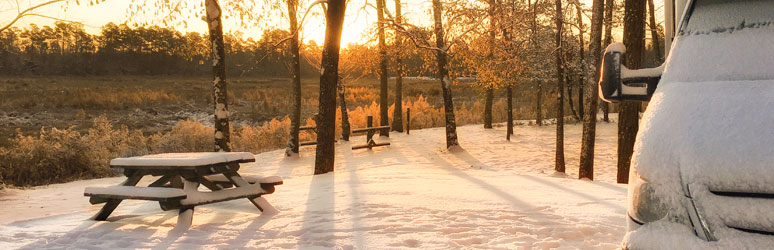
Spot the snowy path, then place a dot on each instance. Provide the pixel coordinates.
(492, 195)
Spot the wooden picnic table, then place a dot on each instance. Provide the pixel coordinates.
(178, 177)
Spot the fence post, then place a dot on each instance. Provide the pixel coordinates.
(369, 124)
(408, 120)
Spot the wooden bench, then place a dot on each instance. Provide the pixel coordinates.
(370, 131)
(309, 129)
(179, 176)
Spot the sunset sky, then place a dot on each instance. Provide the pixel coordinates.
(359, 17)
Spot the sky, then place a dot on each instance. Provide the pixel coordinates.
(359, 19)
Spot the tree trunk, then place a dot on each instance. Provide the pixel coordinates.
(329, 77)
(559, 163)
(586, 165)
(295, 70)
(345, 126)
(509, 130)
(489, 88)
(488, 107)
(220, 88)
(654, 33)
(533, 38)
(582, 57)
(443, 75)
(397, 113)
(628, 115)
(568, 82)
(609, 6)
(384, 120)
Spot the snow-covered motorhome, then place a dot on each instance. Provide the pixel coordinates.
(702, 173)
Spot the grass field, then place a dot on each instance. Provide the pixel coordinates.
(156, 104)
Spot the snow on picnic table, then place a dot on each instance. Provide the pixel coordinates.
(413, 194)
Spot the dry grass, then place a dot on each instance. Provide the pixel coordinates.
(92, 120)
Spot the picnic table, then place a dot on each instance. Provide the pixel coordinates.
(178, 177)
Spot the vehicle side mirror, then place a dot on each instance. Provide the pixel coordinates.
(618, 83)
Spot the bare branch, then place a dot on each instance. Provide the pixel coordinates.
(25, 12)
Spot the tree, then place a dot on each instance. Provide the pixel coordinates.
(443, 76)
(295, 71)
(610, 5)
(586, 165)
(220, 87)
(329, 77)
(582, 59)
(534, 41)
(654, 32)
(383, 77)
(489, 87)
(629, 114)
(559, 161)
(397, 115)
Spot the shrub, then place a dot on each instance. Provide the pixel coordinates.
(66, 155)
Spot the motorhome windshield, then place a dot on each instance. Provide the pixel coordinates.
(724, 40)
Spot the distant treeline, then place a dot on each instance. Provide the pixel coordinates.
(66, 49)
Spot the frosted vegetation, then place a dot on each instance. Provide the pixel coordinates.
(61, 155)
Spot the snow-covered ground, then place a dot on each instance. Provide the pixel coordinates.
(493, 194)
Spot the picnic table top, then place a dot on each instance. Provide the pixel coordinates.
(183, 159)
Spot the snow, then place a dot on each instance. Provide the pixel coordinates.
(637, 73)
(271, 179)
(724, 42)
(490, 194)
(220, 111)
(183, 159)
(616, 47)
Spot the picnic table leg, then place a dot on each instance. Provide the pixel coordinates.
(185, 217)
(259, 202)
(112, 204)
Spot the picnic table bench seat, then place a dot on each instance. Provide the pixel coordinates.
(266, 182)
(102, 194)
